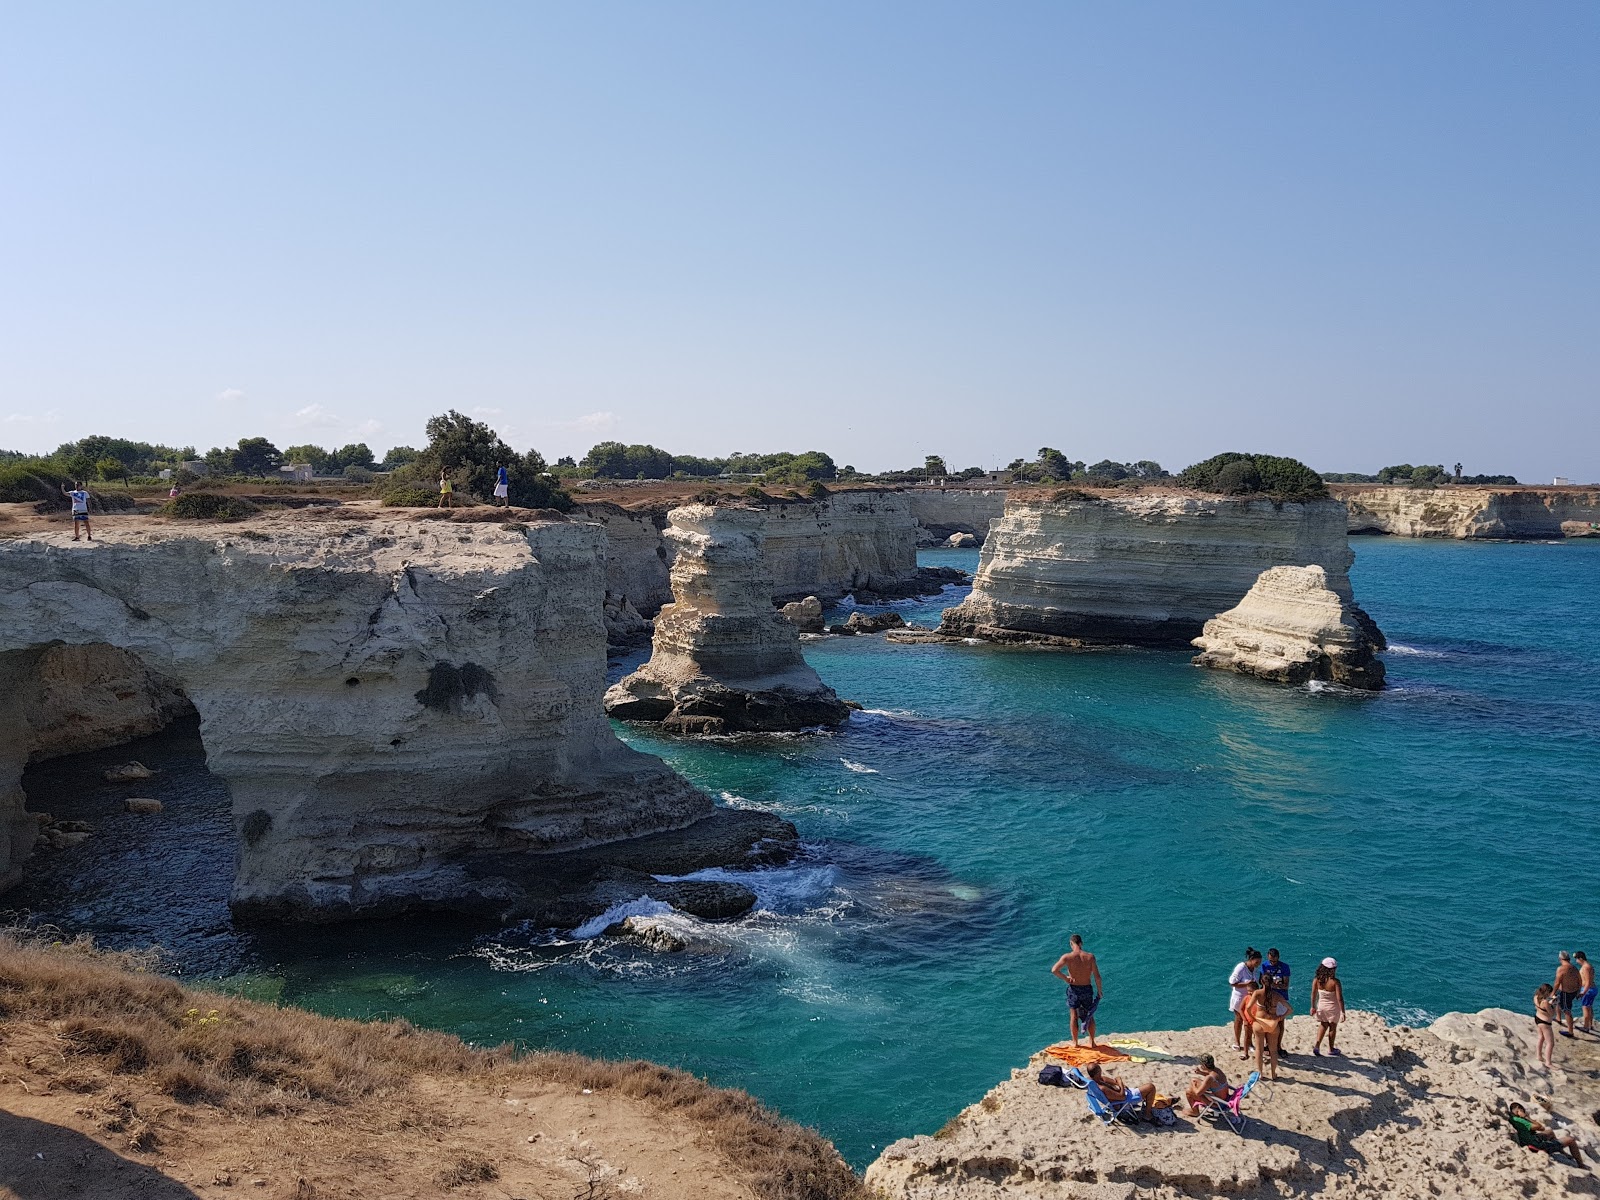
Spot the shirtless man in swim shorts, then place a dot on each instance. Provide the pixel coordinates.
(1085, 988)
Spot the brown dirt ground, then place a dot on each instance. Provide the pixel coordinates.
(116, 1083)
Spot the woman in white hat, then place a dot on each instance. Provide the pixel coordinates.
(1327, 1005)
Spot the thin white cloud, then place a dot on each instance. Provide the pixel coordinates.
(315, 416)
(481, 411)
(44, 418)
(590, 422)
(230, 395)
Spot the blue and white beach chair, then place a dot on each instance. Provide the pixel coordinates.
(1111, 1111)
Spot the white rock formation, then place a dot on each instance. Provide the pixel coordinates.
(85, 697)
(1146, 569)
(805, 615)
(1406, 1115)
(1291, 627)
(724, 659)
(386, 699)
(944, 511)
(851, 541)
(1471, 512)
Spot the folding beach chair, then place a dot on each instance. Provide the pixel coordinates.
(1228, 1110)
(1111, 1111)
(1075, 1078)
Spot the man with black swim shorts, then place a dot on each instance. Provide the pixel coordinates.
(1085, 988)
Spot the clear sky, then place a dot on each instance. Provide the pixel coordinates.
(1357, 233)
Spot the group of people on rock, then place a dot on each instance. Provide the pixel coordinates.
(1554, 1002)
(1259, 1003)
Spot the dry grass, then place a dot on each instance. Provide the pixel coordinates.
(110, 1016)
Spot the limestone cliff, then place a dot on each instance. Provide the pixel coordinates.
(1142, 568)
(724, 659)
(81, 698)
(386, 699)
(941, 512)
(1291, 627)
(1472, 512)
(848, 542)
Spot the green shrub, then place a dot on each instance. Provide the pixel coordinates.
(1235, 474)
(410, 497)
(36, 481)
(209, 506)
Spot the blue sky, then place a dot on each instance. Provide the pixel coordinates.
(1354, 233)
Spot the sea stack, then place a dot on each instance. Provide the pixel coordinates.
(1291, 627)
(724, 660)
(1143, 569)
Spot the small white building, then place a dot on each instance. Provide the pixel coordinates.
(297, 472)
(1562, 481)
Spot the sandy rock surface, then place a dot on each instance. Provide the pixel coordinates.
(723, 659)
(1405, 1114)
(1146, 569)
(1292, 627)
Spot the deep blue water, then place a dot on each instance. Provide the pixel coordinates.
(1437, 837)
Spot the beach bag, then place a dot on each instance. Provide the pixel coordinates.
(1165, 1114)
(1052, 1076)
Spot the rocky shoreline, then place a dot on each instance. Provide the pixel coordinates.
(1407, 1113)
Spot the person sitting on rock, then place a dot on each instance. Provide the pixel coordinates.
(1116, 1091)
(1210, 1084)
(1536, 1135)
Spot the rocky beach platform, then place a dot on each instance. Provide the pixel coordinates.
(1405, 1113)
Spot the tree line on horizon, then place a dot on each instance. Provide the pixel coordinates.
(472, 453)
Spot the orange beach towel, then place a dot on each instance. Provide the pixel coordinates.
(1082, 1056)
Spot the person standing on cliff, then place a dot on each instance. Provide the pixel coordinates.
(1240, 984)
(444, 489)
(1586, 996)
(1085, 988)
(80, 510)
(1275, 974)
(502, 486)
(1569, 985)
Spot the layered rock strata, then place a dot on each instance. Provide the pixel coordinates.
(1472, 512)
(723, 659)
(1406, 1115)
(1144, 569)
(385, 698)
(942, 512)
(1291, 627)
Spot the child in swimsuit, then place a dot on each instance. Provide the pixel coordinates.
(1544, 1017)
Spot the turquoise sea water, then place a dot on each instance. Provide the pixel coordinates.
(1438, 838)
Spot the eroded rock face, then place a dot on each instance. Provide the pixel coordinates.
(942, 512)
(87, 697)
(1291, 627)
(383, 700)
(724, 660)
(805, 615)
(1406, 1115)
(1472, 512)
(1143, 569)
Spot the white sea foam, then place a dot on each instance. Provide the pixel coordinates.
(644, 906)
(858, 768)
(1397, 648)
(898, 714)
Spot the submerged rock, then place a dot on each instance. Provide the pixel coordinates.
(861, 622)
(1291, 627)
(141, 804)
(724, 660)
(127, 773)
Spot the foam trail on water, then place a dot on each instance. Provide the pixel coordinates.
(1397, 648)
(644, 906)
(858, 768)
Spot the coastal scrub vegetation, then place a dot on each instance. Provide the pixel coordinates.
(112, 1024)
(471, 454)
(209, 506)
(1235, 474)
(614, 460)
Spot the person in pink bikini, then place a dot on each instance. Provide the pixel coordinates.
(1327, 1006)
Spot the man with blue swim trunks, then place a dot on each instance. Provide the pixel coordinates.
(1085, 988)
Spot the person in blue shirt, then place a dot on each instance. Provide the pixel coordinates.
(1275, 974)
(502, 486)
(80, 510)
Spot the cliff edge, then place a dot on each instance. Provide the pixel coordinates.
(1406, 1115)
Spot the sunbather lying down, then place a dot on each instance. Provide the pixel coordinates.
(1537, 1136)
(1116, 1091)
